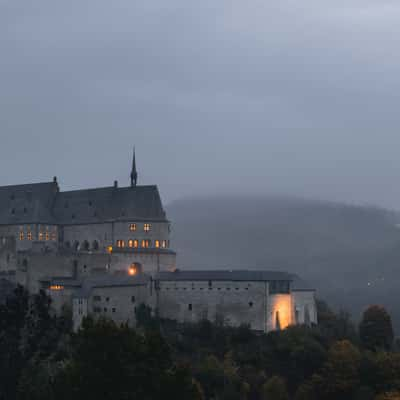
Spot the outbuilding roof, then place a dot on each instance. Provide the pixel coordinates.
(224, 275)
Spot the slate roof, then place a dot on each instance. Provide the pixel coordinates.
(30, 203)
(43, 203)
(104, 281)
(224, 275)
(299, 285)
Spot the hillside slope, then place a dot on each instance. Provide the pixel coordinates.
(351, 254)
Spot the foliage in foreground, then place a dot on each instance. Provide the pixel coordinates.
(40, 359)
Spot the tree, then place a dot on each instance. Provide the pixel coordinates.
(376, 331)
(388, 396)
(109, 362)
(274, 389)
(339, 376)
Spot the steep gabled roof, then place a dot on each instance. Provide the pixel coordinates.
(109, 204)
(43, 203)
(30, 203)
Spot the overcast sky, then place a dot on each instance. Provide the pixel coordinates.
(231, 96)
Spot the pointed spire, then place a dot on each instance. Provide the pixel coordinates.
(134, 174)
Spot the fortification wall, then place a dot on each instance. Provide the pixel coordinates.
(234, 303)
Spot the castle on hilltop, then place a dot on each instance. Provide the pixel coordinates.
(105, 251)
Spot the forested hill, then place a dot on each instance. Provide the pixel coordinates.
(350, 253)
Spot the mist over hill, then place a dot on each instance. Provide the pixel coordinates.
(350, 253)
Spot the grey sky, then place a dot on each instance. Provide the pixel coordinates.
(256, 96)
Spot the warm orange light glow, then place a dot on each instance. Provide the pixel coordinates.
(110, 249)
(132, 271)
(281, 311)
(56, 287)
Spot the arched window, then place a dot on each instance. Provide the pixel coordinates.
(86, 245)
(307, 318)
(76, 245)
(277, 321)
(68, 244)
(95, 245)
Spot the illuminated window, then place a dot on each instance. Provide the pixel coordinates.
(47, 235)
(132, 227)
(136, 243)
(21, 235)
(120, 243)
(54, 236)
(157, 244)
(130, 243)
(145, 243)
(164, 244)
(146, 227)
(56, 287)
(110, 249)
(29, 235)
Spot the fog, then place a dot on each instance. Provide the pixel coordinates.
(219, 97)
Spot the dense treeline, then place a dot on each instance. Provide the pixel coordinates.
(40, 358)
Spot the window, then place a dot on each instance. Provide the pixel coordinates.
(113, 309)
(147, 227)
(190, 307)
(95, 245)
(120, 243)
(54, 236)
(29, 235)
(133, 299)
(145, 243)
(164, 244)
(96, 309)
(157, 244)
(21, 235)
(86, 245)
(251, 304)
(105, 309)
(136, 244)
(130, 243)
(96, 298)
(47, 235)
(132, 227)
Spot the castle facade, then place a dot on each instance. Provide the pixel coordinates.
(105, 251)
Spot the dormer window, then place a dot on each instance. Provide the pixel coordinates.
(132, 227)
(147, 227)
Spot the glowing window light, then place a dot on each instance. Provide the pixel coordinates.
(147, 227)
(157, 244)
(132, 227)
(110, 249)
(29, 235)
(21, 235)
(56, 287)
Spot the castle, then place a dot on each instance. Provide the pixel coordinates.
(105, 251)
